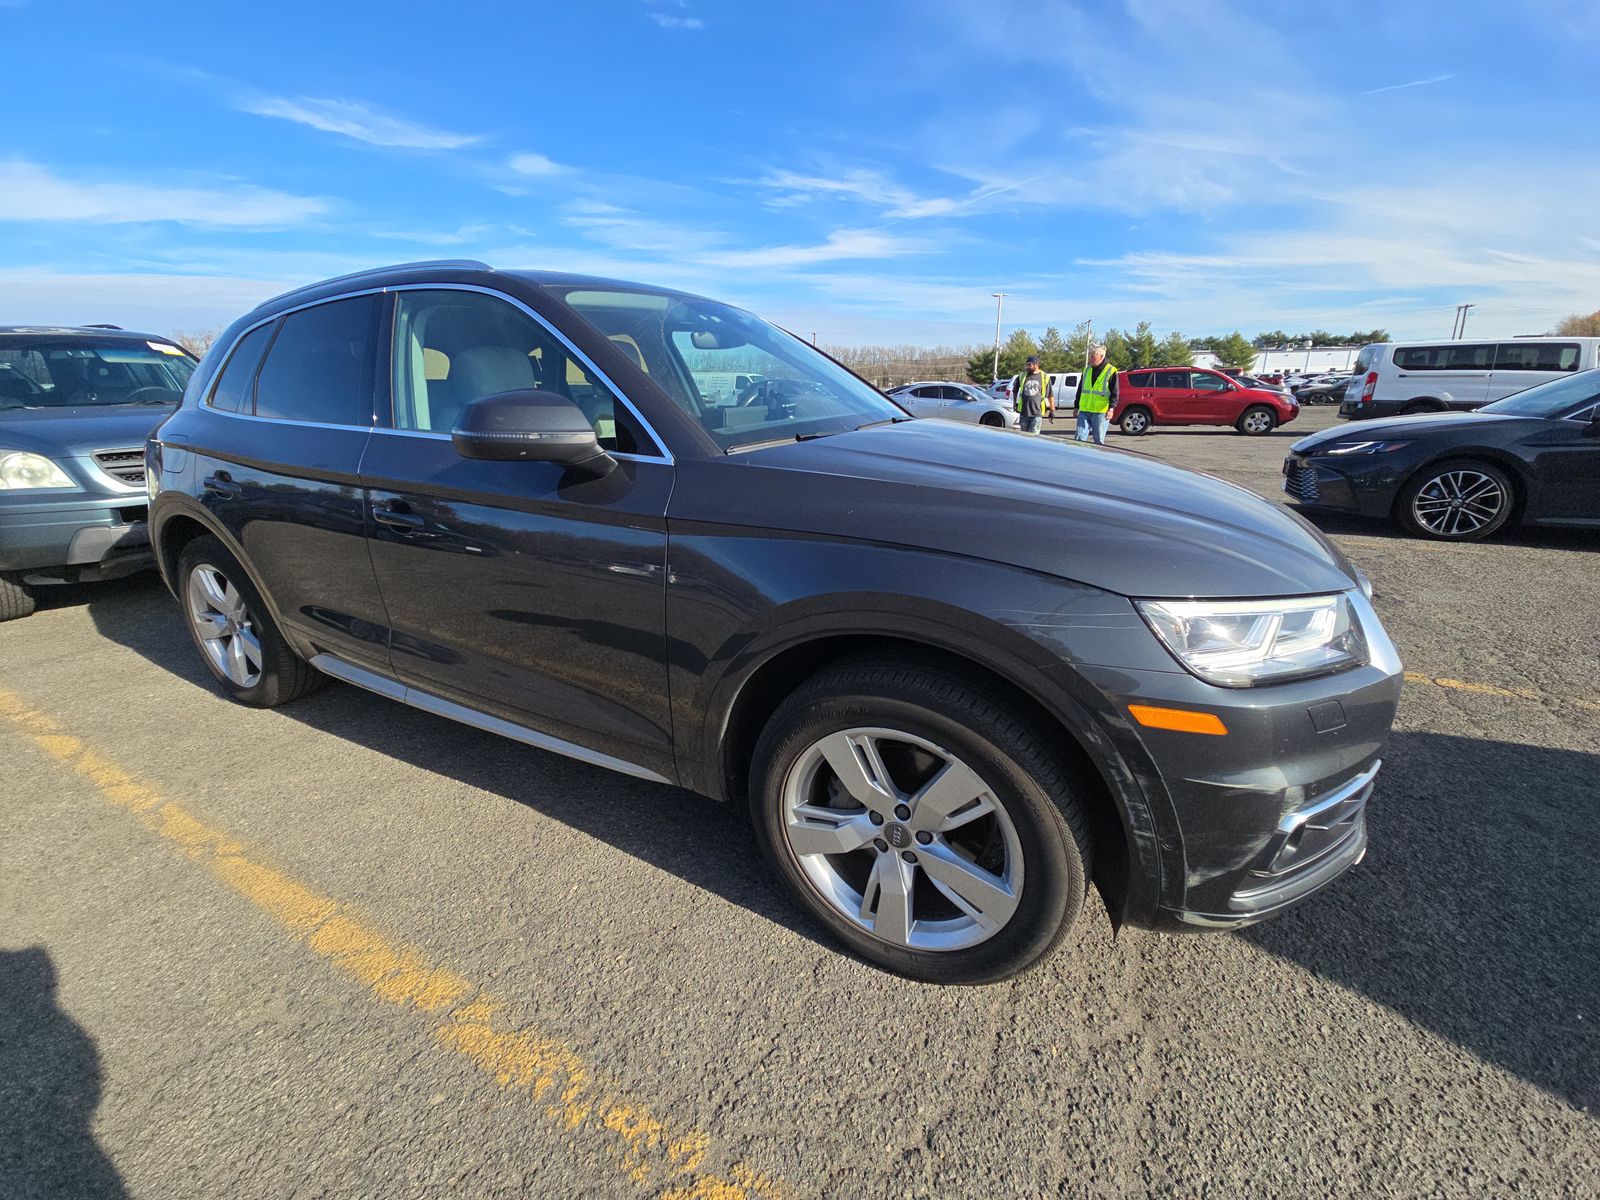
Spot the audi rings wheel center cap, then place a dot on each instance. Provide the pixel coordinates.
(897, 835)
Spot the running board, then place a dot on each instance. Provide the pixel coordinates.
(440, 707)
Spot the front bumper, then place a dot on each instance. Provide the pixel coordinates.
(1362, 484)
(65, 538)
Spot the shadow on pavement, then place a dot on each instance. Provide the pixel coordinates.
(1476, 914)
(1537, 537)
(701, 841)
(49, 1088)
(1477, 911)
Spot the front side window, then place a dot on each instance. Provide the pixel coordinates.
(454, 347)
(318, 367)
(1209, 383)
(1536, 356)
(746, 382)
(1551, 399)
(71, 373)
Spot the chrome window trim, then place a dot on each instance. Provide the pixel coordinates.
(583, 359)
(222, 412)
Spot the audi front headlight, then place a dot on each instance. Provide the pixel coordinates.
(1243, 643)
(19, 469)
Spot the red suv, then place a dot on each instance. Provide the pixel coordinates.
(1194, 396)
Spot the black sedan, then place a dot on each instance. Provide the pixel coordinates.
(1533, 457)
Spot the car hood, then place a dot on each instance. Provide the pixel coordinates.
(1109, 518)
(75, 432)
(1416, 425)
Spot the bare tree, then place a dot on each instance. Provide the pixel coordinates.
(196, 342)
(890, 366)
(1578, 325)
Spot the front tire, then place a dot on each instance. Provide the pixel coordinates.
(16, 598)
(1457, 501)
(234, 632)
(1135, 421)
(992, 420)
(1257, 420)
(922, 819)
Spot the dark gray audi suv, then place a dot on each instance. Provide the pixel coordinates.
(956, 674)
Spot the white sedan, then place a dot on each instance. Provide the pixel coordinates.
(955, 402)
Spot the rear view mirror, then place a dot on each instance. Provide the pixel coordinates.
(530, 426)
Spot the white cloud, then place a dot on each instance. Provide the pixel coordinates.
(670, 22)
(352, 119)
(157, 303)
(841, 244)
(1395, 87)
(528, 163)
(29, 192)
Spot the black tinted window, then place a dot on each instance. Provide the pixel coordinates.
(1171, 379)
(925, 393)
(317, 367)
(1141, 379)
(1536, 356)
(232, 393)
(1455, 356)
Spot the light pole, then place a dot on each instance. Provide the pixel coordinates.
(999, 304)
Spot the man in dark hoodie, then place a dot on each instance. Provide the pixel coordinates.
(1033, 395)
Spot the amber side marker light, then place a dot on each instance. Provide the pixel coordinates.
(1180, 719)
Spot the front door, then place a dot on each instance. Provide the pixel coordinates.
(1209, 400)
(1567, 466)
(520, 589)
(278, 445)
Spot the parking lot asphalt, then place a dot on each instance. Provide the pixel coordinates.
(347, 949)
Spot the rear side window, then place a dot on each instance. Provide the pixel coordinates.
(1456, 356)
(1141, 379)
(1536, 356)
(232, 393)
(1170, 379)
(317, 369)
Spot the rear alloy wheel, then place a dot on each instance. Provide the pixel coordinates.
(1458, 501)
(1257, 420)
(234, 632)
(918, 818)
(1135, 422)
(16, 598)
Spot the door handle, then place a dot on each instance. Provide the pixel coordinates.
(222, 484)
(397, 516)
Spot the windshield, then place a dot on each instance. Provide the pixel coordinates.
(1550, 399)
(68, 373)
(745, 381)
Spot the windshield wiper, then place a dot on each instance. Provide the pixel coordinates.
(885, 421)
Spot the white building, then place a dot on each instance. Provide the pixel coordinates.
(1305, 359)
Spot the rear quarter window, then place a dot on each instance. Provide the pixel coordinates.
(1537, 356)
(1141, 379)
(232, 392)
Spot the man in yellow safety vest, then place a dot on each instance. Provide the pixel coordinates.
(1097, 396)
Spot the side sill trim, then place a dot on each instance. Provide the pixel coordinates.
(428, 702)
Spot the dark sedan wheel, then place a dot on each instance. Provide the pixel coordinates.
(1456, 501)
(1135, 422)
(921, 820)
(993, 420)
(233, 631)
(1257, 420)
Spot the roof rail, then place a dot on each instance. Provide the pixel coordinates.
(466, 264)
(118, 327)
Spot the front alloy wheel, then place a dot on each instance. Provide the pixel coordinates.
(925, 819)
(1457, 501)
(902, 838)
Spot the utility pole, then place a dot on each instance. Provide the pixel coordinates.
(1458, 327)
(1088, 343)
(999, 303)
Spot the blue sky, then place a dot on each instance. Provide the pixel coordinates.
(870, 171)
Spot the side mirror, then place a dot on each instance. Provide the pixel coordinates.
(530, 426)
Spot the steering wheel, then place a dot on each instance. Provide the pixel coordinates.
(141, 395)
(756, 393)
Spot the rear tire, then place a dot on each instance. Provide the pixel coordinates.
(1424, 407)
(16, 598)
(234, 632)
(1135, 421)
(1461, 500)
(1257, 420)
(1008, 835)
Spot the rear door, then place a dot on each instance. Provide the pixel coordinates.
(520, 589)
(1522, 363)
(278, 453)
(923, 401)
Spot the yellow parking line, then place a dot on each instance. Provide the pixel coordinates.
(1494, 689)
(662, 1158)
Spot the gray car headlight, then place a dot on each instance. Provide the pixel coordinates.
(1243, 643)
(19, 469)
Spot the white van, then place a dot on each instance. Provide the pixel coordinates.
(1412, 377)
